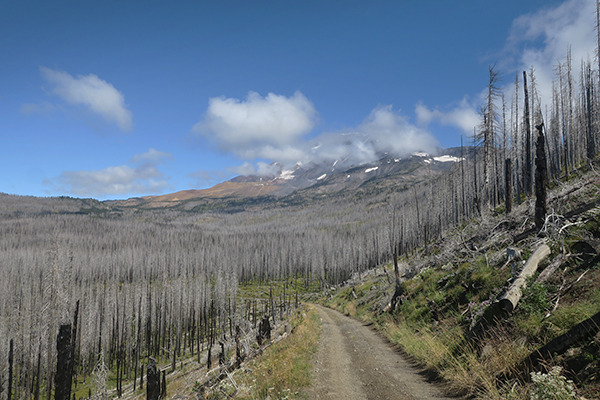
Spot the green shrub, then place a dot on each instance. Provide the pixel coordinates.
(535, 299)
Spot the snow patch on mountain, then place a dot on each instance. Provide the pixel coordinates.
(371, 169)
(287, 174)
(448, 159)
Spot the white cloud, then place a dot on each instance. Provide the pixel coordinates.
(142, 177)
(464, 116)
(258, 127)
(93, 93)
(541, 40)
(390, 131)
(384, 130)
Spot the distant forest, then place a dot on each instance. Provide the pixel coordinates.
(164, 283)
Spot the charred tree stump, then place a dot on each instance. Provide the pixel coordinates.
(152, 381)
(540, 179)
(63, 363)
(264, 330)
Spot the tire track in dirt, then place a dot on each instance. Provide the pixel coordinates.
(353, 362)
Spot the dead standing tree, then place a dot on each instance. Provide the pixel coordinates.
(63, 363)
(540, 179)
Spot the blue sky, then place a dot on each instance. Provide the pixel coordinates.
(117, 99)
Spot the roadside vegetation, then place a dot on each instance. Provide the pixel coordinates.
(449, 284)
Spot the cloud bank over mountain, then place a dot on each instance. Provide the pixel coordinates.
(261, 130)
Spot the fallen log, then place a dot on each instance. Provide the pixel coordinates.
(508, 301)
(549, 270)
(582, 209)
(586, 329)
(525, 234)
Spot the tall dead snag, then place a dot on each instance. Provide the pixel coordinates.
(508, 302)
(10, 369)
(540, 179)
(73, 345)
(394, 243)
(63, 363)
(527, 161)
(507, 186)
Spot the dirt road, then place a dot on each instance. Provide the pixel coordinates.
(354, 362)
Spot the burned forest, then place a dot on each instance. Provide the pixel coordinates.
(92, 291)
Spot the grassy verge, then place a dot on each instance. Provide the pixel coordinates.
(284, 369)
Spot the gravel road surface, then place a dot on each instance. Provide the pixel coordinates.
(355, 362)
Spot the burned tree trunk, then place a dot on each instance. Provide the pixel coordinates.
(153, 381)
(73, 346)
(540, 179)
(238, 346)
(527, 163)
(36, 391)
(264, 330)
(559, 345)
(63, 363)
(10, 369)
(507, 186)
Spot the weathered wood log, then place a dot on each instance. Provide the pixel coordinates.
(549, 270)
(508, 301)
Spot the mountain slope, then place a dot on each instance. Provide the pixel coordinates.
(309, 182)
